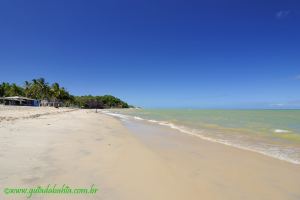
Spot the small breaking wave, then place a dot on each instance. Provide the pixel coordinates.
(281, 131)
(116, 115)
(153, 121)
(138, 118)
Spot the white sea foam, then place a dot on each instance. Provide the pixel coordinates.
(138, 118)
(281, 131)
(271, 151)
(116, 115)
(153, 121)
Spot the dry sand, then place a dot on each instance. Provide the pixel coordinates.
(41, 146)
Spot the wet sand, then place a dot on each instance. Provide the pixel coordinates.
(127, 160)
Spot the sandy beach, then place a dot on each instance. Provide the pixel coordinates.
(125, 160)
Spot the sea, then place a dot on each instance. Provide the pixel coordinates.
(274, 133)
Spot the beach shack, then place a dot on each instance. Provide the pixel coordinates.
(20, 101)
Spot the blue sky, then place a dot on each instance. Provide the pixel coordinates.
(206, 54)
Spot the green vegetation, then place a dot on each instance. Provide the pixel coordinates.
(42, 90)
(7, 89)
(106, 101)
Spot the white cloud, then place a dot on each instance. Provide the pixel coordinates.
(283, 14)
(277, 104)
(288, 104)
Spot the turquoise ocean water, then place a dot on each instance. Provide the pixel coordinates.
(275, 133)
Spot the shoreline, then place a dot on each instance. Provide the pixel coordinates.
(198, 134)
(248, 174)
(134, 161)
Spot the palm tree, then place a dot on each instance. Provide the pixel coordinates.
(40, 89)
(44, 88)
(2, 91)
(27, 88)
(15, 90)
(55, 91)
(34, 89)
(5, 89)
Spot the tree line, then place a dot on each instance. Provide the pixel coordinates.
(42, 90)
